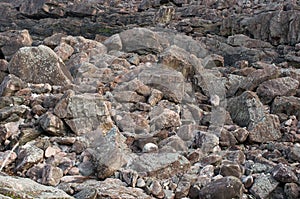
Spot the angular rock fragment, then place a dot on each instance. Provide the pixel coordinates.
(11, 41)
(109, 152)
(28, 155)
(169, 82)
(83, 113)
(247, 111)
(164, 120)
(205, 141)
(52, 124)
(288, 105)
(110, 187)
(51, 175)
(283, 173)
(160, 165)
(26, 188)
(141, 41)
(228, 187)
(263, 186)
(270, 89)
(10, 85)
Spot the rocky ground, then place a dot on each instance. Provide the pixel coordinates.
(150, 99)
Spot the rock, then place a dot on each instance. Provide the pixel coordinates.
(83, 113)
(155, 189)
(141, 41)
(12, 113)
(150, 147)
(64, 51)
(114, 42)
(164, 14)
(243, 40)
(212, 61)
(26, 188)
(51, 175)
(294, 152)
(270, 89)
(241, 134)
(28, 156)
(180, 60)
(128, 96)
(174, 142)
(166, 119)
(155, 97)
(12, 40)
(132, 122)
(109, 152)
(159, 165)
(291, 190)
(283, 173)
(247, 111)
(228, 187)
(287, 105)
(112, 188)
(10, 85)
(258, 76)
(130, 177)
(169, 82)
(7, 158)
(52, 124)
(87, 168)
(205, 141)
(39, 65)
(229, 168)
(263, 186)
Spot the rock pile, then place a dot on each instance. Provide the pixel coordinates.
(150, 112)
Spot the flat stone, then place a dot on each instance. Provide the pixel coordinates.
(112, 188)
(161, 165)
(26, 188)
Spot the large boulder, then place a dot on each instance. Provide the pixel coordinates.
(11, 41)
(109, 188)
(246, 110)
(25, 188)
(39, 65)
(227, 188)
(284, 86)
(160, 165)
(83, 113)
(140, 40)
(168, 81)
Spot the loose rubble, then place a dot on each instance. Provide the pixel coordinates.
(149, 99)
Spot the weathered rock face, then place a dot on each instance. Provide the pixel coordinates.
(247, 110)
(24, 188)
(39, 65)
(228, 187)
(160, 165)
(84, 113)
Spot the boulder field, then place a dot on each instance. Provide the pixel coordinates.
(149, 99)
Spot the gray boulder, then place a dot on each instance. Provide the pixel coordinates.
(83, 113)
(160, 165)
(39, 65)
(227, 188)
(140, 40)
(246, 110)
(26, 188)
